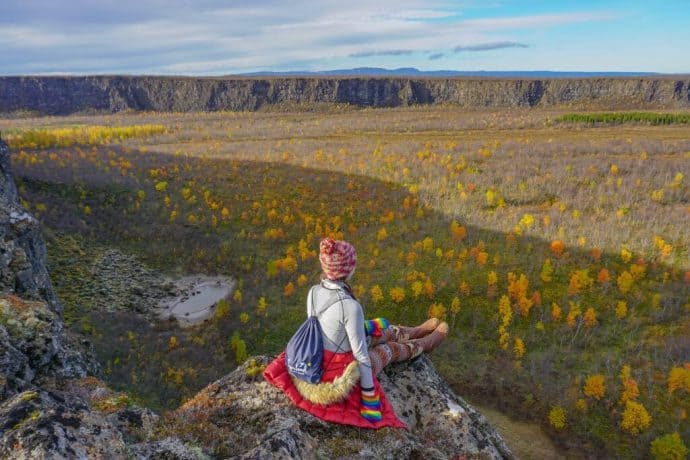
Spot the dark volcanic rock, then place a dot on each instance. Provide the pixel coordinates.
(22, 248)
(64, 95)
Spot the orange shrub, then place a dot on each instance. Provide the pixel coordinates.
(596, 254)
(590, 317)
(603, 276)
(557, 248)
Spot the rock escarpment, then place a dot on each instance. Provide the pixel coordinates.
(65, 95)
(22, 249)
(51, 405)
(33, 342)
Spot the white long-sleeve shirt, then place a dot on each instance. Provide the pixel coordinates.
(342, 324)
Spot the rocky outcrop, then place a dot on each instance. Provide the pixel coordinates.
(34, 346)
(8, 189)
(47, 424)
(33, 342)
(242, 416)
(120, 281)
(22, 248)
(65, 95)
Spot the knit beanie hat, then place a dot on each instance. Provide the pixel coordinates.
(338, 258)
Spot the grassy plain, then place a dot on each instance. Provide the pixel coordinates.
(557, 251)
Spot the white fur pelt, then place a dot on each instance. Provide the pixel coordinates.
(325, 393)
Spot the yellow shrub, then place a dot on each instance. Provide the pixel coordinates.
(397, 294)
(455, 305)
(630, 388)
(581, 405)
(437, 310)
(594, 386)
(519, 348)
(557, 417)
(679, 379)
(556, 312)
(635, 419)
(222, 309)
(625, 282)
(376, 293)
(621, 309)
(458, 231)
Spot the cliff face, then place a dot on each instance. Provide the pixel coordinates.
(65, 95)
(22, 249)
(33, 342)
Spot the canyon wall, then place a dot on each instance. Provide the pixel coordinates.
(66, 95)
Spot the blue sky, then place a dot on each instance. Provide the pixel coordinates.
(217, 37)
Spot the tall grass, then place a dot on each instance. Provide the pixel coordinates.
(83, 135)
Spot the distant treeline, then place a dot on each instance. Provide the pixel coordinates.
(626, 117)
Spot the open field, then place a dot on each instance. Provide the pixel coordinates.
(557, 251)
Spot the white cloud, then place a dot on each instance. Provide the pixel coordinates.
(489, 46)
(178, 36)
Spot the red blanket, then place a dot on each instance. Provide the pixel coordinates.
(345, 412)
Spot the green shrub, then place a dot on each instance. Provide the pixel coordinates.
(669, 447)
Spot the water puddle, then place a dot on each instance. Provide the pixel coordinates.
(196, 299)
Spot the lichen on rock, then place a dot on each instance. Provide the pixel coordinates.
(244, 416)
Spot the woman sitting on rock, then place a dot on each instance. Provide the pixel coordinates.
(355, 349)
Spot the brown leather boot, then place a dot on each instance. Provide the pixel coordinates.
(405, 333)
(431, 341)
